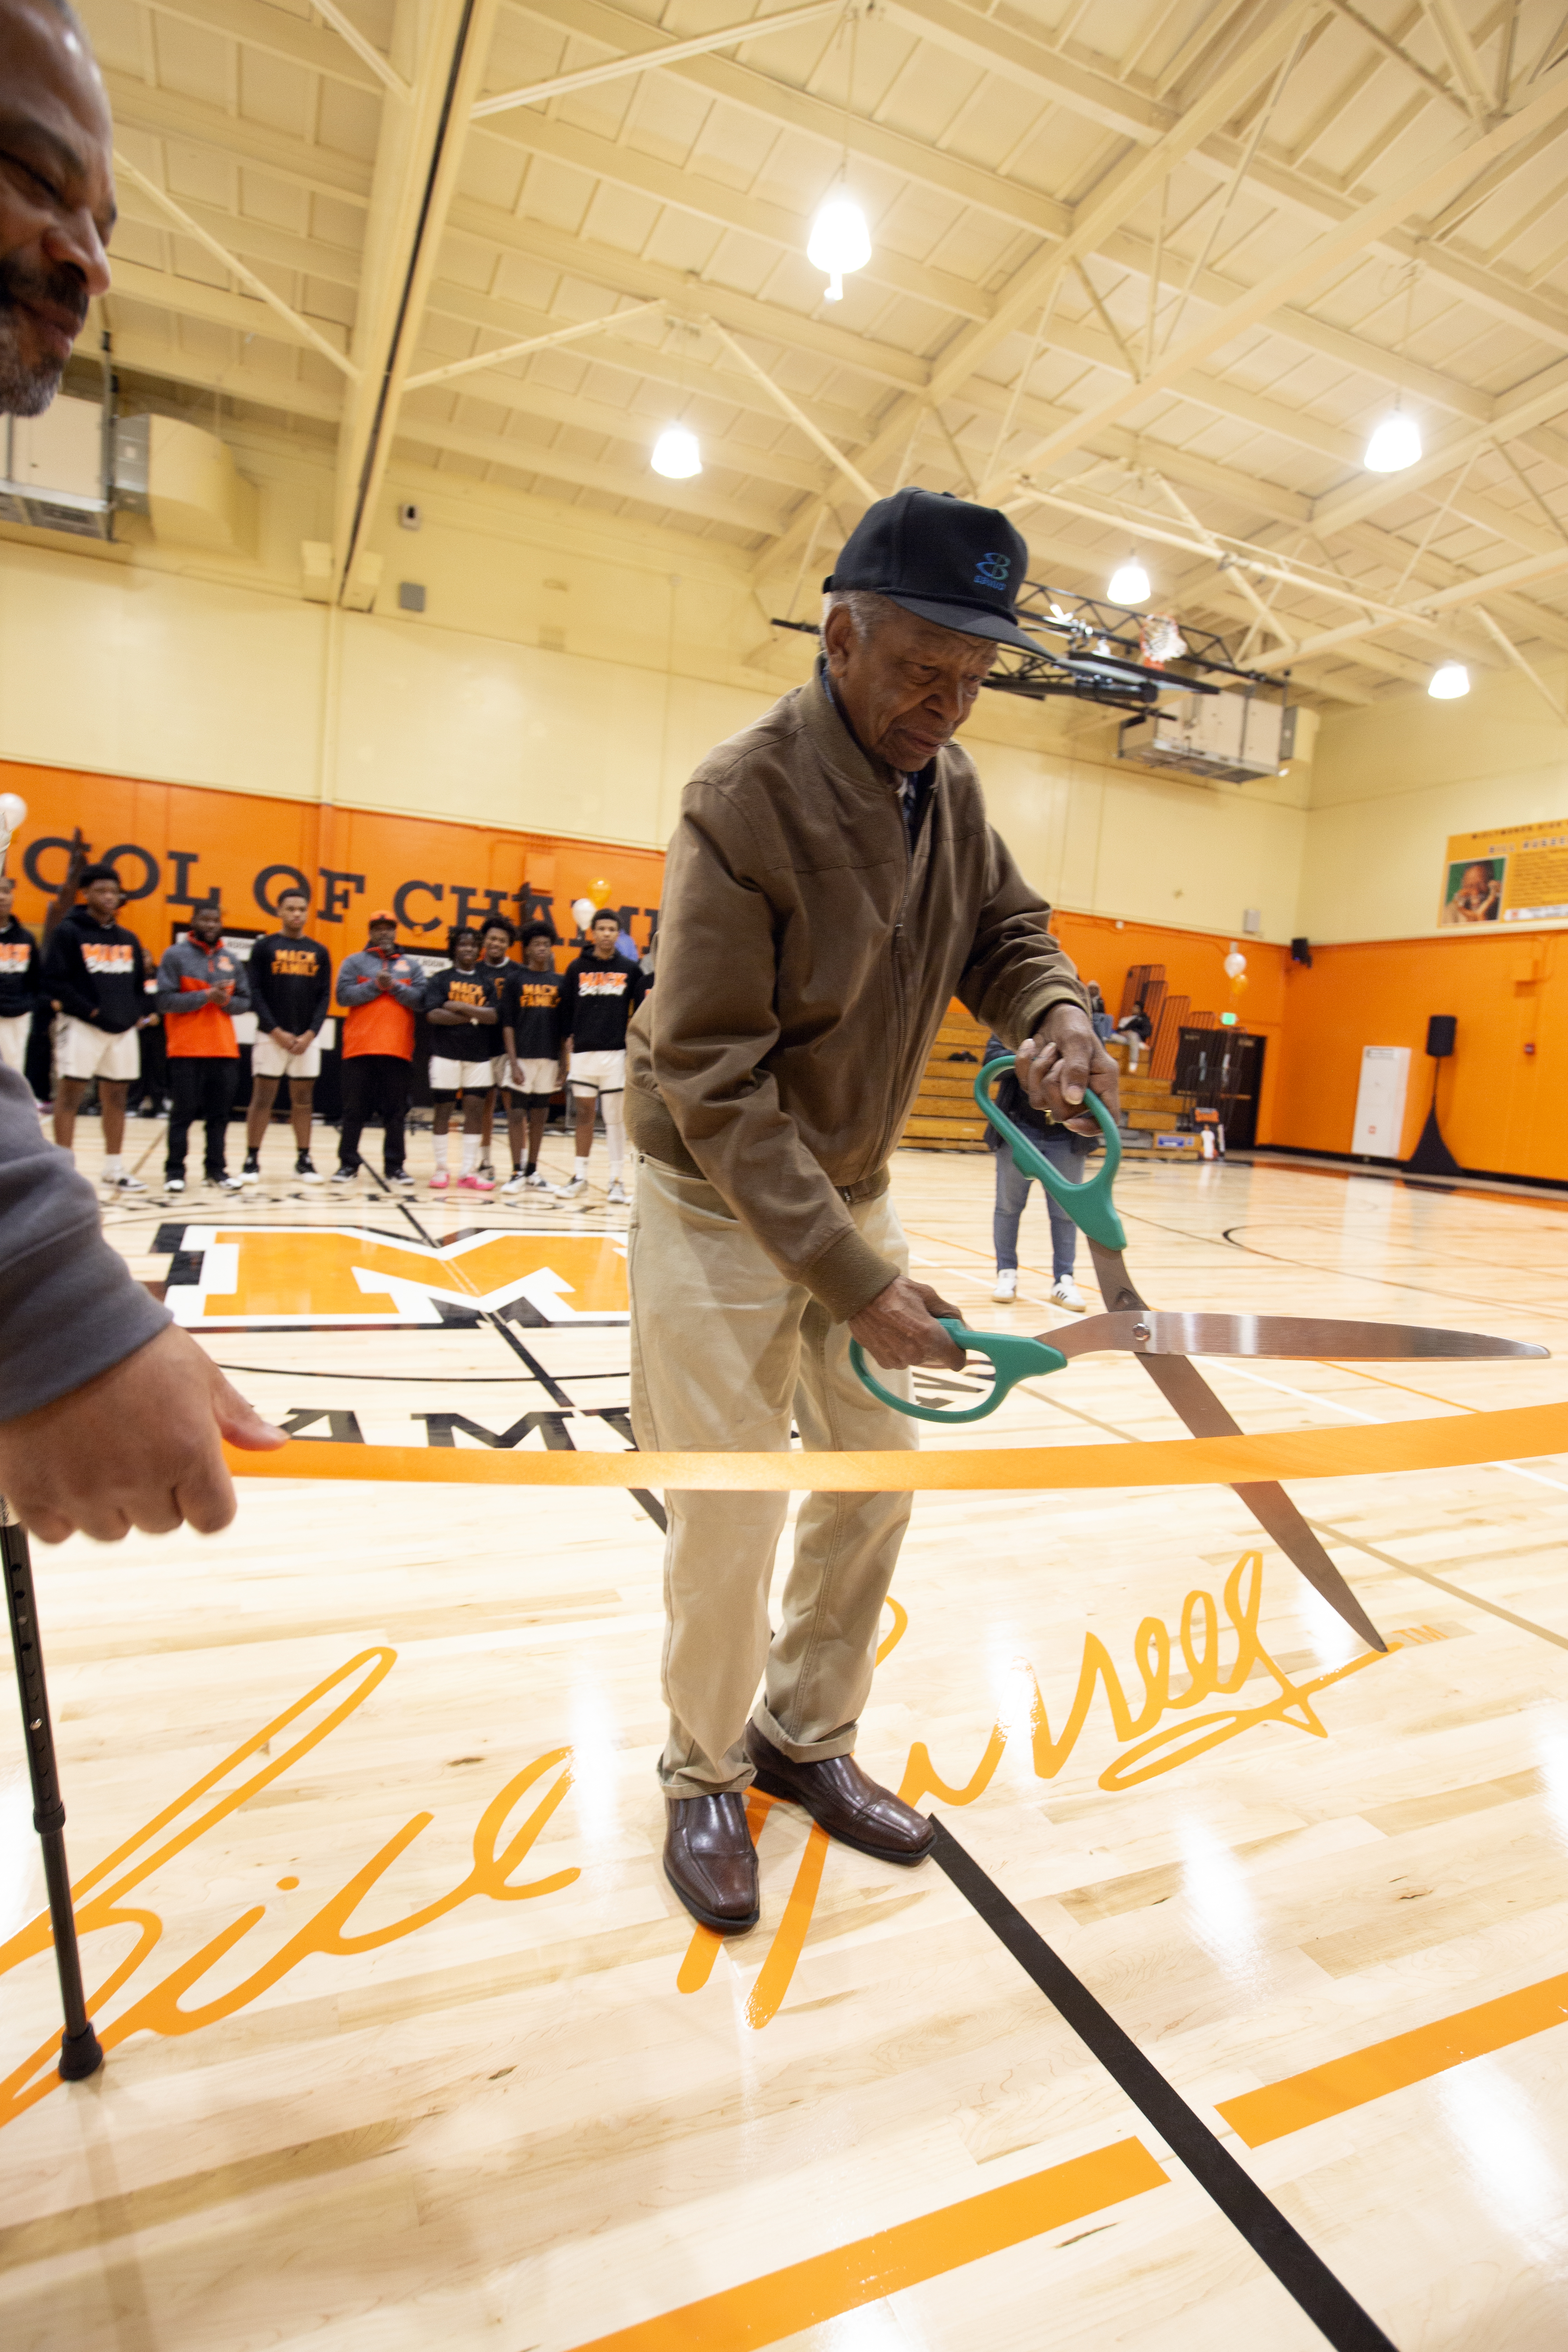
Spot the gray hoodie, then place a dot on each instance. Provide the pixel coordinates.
(69, 1307)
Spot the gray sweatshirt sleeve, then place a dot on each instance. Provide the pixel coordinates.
(69, 1308)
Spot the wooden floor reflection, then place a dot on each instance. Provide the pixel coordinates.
(419, 2048)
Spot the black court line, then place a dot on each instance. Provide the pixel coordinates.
(1302, 2274)
(552, 1387)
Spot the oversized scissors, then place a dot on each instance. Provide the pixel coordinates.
(1164, 1343)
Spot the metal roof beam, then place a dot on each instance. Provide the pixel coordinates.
(166, 114)
(727, 37)
(1323, 260)
(697, 498)
(300, 326)
(443, 45)
(1117, 198)
(692, 190)
(789, 107)
(191, 298)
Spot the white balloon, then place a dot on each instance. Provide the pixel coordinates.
(581, 910)
(12, 811)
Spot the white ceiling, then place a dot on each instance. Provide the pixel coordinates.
(1147, 269)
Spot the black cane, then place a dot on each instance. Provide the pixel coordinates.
(81, 2052)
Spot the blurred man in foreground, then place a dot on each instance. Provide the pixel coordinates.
(110, 1417)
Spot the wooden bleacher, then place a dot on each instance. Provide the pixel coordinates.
(946, 1117)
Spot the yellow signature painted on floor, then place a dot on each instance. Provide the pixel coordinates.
(161, 2009)
(1149, 1746)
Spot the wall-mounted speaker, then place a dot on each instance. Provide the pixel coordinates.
(1300, 952)
(1440, 1028)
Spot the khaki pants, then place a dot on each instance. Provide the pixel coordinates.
(725, 1349)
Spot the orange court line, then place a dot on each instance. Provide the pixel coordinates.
(808, 2292)
(1311, 2098)
(1455, 1440)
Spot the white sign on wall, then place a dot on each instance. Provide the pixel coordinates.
(1380, 1101)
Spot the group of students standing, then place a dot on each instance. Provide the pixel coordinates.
(549, 1027)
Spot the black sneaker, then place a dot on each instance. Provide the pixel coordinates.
(305, 1168)
(251, 1172)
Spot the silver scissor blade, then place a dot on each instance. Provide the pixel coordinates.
(1183, 1387)
(1144, 1331)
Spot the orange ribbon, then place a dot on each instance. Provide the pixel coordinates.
(1453, 1441)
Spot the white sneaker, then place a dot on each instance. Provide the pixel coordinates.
(513, 1185)
(174, 1183)
(1006, 1285)
(574, 1191)
(537, 1182)
(617, 1195)
(1066, 1293)
(122, 1185)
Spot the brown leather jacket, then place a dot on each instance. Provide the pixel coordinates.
(806, 959)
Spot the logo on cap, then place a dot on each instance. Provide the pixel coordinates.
(992, 570)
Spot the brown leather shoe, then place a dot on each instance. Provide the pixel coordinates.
(851, 1806)
(710, 1862)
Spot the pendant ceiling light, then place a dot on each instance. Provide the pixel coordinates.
(1450, 682)
(1129, 583)
(1396, 442)
(840, 241)
(675, 453)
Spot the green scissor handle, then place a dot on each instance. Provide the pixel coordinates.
(1015, 1360)
(1088, 1205)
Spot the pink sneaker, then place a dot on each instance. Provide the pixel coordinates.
(439, 1182)
(475, 1184)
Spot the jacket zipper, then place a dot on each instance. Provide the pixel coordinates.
(896, 949)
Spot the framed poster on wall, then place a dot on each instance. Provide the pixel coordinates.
(1518, 874)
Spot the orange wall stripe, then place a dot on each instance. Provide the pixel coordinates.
(807, 2293)
(1453, 1441)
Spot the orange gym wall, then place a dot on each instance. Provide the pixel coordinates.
(174, 844)
(1501, 1108)
(1105, 950)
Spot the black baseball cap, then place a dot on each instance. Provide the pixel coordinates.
(943, 558)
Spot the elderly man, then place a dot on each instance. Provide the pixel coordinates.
(110, 1416)
(832, 883)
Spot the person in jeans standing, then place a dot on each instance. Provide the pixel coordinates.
(20, 974)
(95, 971)
(201, 987)
(381, 991)
(1066, 1152)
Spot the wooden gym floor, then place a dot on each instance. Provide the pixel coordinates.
(417, 2049)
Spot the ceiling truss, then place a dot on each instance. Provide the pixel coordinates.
(520, 235)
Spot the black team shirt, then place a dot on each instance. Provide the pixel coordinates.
(468, 1041)
(597, 1000)
(21, 969)
(96, 971)
(290, 986)
(531, 1009)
